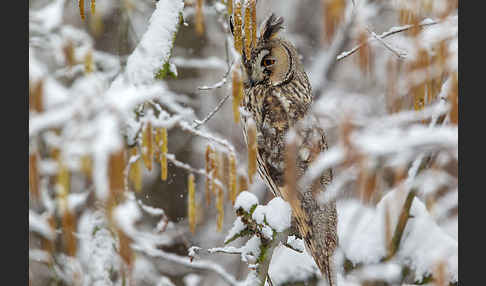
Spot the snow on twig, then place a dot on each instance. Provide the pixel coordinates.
(155, 45)
(391, 31)
(185, 261)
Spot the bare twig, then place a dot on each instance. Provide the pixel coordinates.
(216, 85)
(392, 31)
(198, 123)
(219, 83)
(324, 66)
(186, 127)
(185, 261)
(400, 54)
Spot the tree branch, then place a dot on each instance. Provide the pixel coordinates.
(392, 31)
(185, 261)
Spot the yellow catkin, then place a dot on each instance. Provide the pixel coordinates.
(33, 175)
(242, 184)
(333, 15)
(237, 94)
(96, 25)
(232, 179)
(199, 18)
(208, 173)
(147, 148)
(87, 166)
(68, 229)
(215, 166)
(225, 170)
(191, 203)
(238, 41)
(253, 22)
(163, 154)
(158, 141)
(93, 6)
(125, 250)
(252, 149)
(229, 6)
(68, 51)
(364, 54)
(116, 172)
(36, 95)
(247, 29)
(135, 173)
(454, 99)
(63, 177)
(88, 62)
(220, 208)
(81, 9)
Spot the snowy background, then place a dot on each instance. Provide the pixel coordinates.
(119, 89)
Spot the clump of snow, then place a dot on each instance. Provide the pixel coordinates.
(151, 210)
(277, 213)
(191, 279)
(246, 201)
(296, 243)
(238, 226)
(249, 252)
(267, 232)
(76, 200)
(193, 251)
(251, 248)
(424, 244)
(49, 17)
(259, 214)
(96, 252)
(389, 272)
(39, 224)
(288, 266)
(360, 232)
(155, 46)
(126, 215)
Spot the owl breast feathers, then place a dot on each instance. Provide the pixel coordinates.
(277, 95)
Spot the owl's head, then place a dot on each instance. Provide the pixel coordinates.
(273, 60)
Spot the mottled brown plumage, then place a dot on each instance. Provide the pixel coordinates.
(278, 97)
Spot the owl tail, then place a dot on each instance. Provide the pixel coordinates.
(330, 271)
(320, 236)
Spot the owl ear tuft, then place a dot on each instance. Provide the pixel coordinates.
(271, 27)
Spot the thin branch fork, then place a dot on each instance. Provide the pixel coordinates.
(198, 123)
(392, 31)
(219, 83)
(401, 55)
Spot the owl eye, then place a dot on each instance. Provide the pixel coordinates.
(268, 62)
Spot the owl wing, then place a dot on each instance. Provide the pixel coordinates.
(317, 224)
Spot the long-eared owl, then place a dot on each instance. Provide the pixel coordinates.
(278, 98)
